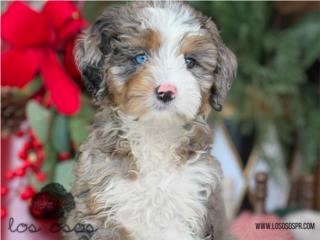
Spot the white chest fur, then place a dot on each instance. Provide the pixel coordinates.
(163, 204)
(166, 202)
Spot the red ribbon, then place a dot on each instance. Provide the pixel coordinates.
(34, 39)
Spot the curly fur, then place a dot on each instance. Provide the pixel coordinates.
(145, 171)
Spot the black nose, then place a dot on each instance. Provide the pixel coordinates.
(164, 96)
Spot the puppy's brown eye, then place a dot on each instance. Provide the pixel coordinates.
(190, 62)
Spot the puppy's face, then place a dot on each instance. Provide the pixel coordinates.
(156, 61)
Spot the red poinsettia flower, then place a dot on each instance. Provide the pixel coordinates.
(35, 39)
(69, 61)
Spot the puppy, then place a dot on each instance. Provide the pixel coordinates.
(145, 171)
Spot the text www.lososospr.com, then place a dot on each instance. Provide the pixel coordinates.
(284, 225)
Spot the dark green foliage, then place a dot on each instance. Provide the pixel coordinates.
(272, 86)
(60, 136)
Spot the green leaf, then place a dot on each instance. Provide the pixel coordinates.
(86, 111)
(64, 174)
(49, 163)
(307, 34)
(78, 130)
(33, 86)
(48, 168)
(79, 123)
(60, 134)
(28, 90)
(39, 119)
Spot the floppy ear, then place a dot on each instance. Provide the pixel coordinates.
(91, 51)
(225, 69)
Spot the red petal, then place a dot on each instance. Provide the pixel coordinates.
(22, 26)
(19, 67)
(60, 12)
(69, 61)
(67, 23)
(70, 30)
(64, 92)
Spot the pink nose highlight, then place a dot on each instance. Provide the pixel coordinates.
(167, 87)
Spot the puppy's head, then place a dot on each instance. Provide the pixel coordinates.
(156, 60)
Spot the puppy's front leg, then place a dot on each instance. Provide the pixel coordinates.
(217, 217)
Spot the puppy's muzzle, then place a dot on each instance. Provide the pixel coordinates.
(166, 92)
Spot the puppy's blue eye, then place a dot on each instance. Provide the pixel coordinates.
(141, 58)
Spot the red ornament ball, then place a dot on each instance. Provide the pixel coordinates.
(9, 175)
(3, 212)
(40, 155)
(51, 202)
(4, 190)
(27, 164)
(27, 193)
(19, 133)
(64, 156)
(40, 176)
(36, 143)
(20, 172)
(23, 154)
(24, 196)
(46, 206)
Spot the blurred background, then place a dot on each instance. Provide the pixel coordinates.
(270, 123)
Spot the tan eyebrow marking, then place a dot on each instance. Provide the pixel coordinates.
(194, 44)
(152, 39)
(149, 39)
